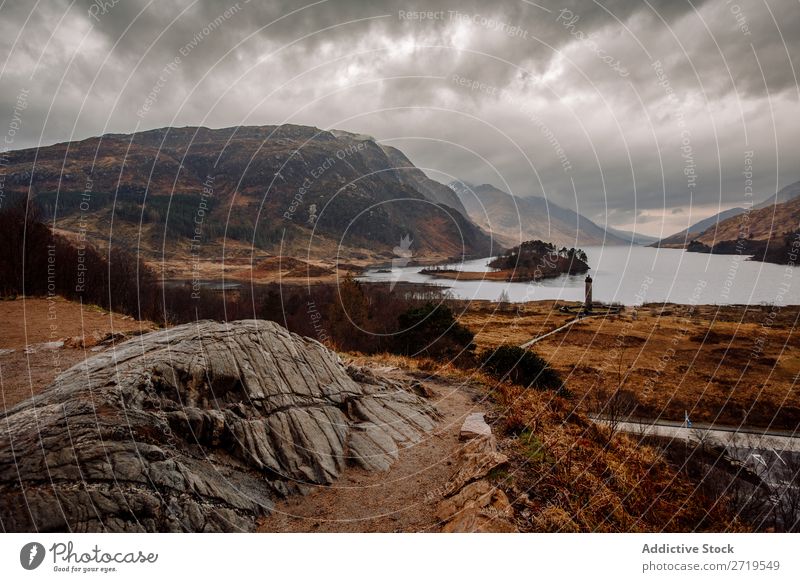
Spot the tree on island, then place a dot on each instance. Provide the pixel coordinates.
(536, 259)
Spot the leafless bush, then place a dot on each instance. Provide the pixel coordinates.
(611, 401)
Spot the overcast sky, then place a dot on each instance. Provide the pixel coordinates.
(635, 113)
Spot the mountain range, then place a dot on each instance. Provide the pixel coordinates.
(294, 190)
(288, 188)
(785, 194)
(772, 218)
(515, 219)
(682, 238)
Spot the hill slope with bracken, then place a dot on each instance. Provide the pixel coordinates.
(680, 239)
(768, 233)
(761, 223)
(291, 188)
(513, 220)
(785, 194)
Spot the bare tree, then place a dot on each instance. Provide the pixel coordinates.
(615, 404)
(786, 491)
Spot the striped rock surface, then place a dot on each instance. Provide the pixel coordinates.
(196, 428)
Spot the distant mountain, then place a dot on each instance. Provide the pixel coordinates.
(632, 237)
(768, 233)
(786, 194)
(762, 224)
(512, 219)
(701, 230)
(270, 187)
(684, 237)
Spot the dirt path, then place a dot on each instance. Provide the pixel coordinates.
(41, 338)
(402, 499)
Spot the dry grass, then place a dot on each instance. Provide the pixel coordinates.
(26, 367)
(577, 481)
(728, 365)
(564, 475)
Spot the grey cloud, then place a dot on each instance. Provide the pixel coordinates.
(619, 133)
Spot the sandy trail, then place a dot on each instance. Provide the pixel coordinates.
(32, 327)
(402, 499)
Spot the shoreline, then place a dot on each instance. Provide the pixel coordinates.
(500, 275)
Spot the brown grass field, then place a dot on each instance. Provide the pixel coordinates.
(728, 365)
(33, 327)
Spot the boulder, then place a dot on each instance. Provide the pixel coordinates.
(471, 503)
(196, 428)
(476, 460)
(478, 507)
(474, 426)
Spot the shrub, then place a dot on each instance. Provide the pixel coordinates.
(432, 330)
(534, 449)
(520, 366)
(38, 262)
(350, 315)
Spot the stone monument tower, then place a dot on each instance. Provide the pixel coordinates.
(587, 301)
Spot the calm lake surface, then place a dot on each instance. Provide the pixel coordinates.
(633, 275)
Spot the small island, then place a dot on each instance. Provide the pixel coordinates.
(531, 261)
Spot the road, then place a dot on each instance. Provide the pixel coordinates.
(773, 457)
(723, 436)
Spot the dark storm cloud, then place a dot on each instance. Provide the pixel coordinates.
(507, 93)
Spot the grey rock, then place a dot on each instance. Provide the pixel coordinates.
(474, 427)
(196, 428)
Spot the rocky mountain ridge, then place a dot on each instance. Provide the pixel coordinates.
(773, 217)
(269, 187)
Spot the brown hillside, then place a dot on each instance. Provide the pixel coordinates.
(266, 187)
(761, 224)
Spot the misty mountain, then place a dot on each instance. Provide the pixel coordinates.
(632, 237)
(682, 238)
(786, 194)
(727, 230)
(513, 219)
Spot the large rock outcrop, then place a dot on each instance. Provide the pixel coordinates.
(196, 428)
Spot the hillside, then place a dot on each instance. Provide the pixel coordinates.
(760, 223)
(289, 188)
(680, 239)
(410, 175)
(309, 440)
(513, 220)
(767, 233)
(785, 194)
